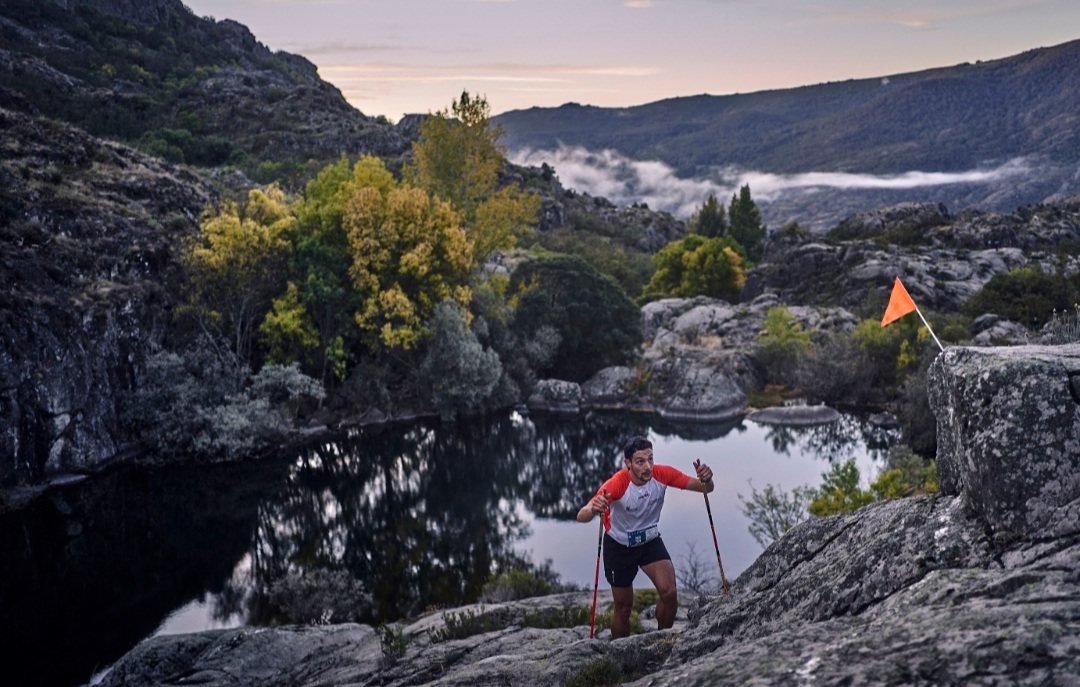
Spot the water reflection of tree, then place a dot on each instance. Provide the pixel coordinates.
(423, 514)
(835, 441)
(418, 514)
(571, 457)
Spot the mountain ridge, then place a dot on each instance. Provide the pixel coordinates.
(828, 102)
(1009, 125)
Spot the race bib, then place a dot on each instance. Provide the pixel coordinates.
(639, 537)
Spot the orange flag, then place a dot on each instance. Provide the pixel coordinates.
(900, 304)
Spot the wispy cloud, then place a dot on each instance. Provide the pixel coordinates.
(624, 181)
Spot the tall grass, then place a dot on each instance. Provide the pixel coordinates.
(1063, 327)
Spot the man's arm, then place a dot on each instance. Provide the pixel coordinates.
(596, 505)
(703, 482)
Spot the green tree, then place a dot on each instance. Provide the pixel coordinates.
(409, 253)
(459, 372)
(324, 256)
(596, 324)
(287, 331)
(698, 266)
(745, 224)
(710, 221)
(457, 159)
(772, 511)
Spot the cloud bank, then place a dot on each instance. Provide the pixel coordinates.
(624, 181)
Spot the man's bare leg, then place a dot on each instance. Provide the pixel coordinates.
(662, 574)
(620, 617)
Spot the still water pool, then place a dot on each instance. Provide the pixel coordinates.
(376, 525)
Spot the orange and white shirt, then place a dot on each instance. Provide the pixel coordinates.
(633, 518)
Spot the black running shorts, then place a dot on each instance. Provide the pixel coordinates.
(621, 563)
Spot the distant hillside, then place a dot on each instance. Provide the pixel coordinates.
(185, 88)
(955, 119)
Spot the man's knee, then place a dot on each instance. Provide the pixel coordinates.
(669, 595)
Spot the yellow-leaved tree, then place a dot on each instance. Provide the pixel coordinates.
(457, 159)
(236, 266)
(409, 253)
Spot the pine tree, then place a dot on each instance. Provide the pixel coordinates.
(710, 221)
(746, 226)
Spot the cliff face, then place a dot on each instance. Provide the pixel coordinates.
(977, 585)
(88, 247)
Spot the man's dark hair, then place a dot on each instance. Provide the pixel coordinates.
(635, 444)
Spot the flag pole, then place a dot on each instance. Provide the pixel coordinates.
(901, 303)
(919, 312)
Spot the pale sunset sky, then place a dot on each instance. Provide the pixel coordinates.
(392, 57)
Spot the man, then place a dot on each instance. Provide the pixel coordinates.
(630, 503)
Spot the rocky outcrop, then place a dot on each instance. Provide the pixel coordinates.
(942, 259)
(1016, 462)
(555, 396)
(979, 584)
(88, 251)
(698, 361)
(439, 648)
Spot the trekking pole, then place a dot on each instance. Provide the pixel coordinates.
(723, 579)
(596, 579)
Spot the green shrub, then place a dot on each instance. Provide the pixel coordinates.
(699, 266)
(394, 643)
(835, 369)
(1064, 327)
(907, 475)
(193, 403)
(840, 491)
(517, 584)
(597, 324)
(565, 616)
(883, 345)
(1026, 295)
(467, 623)
(780, 346)
(603, 672)
(319, 597)
(458, 371)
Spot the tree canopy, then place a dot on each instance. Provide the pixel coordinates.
(698, 266)
(457, 159)
(597, 324)
(237, 265)
(711, 220)
(409, 253)
(746, 225)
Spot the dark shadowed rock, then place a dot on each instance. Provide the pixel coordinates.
(89, 247)
(555, 396)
